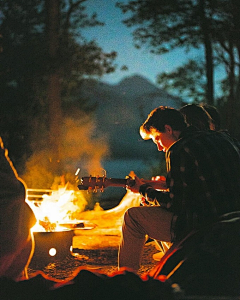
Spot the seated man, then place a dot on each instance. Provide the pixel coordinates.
(16, 219)
(203, 181)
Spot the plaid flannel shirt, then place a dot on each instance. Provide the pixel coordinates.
(203, 179)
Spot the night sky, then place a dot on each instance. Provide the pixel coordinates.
(115, 36)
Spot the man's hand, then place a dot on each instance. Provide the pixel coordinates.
(138, 182)
(157, 182)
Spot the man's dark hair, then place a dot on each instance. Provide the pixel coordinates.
(161, 116)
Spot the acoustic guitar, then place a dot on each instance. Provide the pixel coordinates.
(100, 183)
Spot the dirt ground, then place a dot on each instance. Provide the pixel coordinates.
(101, 257)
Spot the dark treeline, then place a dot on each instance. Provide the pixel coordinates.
(43, 60)
(212, 26)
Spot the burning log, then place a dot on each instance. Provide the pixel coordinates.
(79, 225)
(47, 225)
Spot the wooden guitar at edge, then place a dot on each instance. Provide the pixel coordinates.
(100, 183)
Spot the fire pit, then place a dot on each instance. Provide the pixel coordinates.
(52, 208)
(51, 246)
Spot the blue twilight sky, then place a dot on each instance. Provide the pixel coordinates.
(115, 36)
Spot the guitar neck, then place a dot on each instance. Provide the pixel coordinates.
(101, 183)
(115, 182)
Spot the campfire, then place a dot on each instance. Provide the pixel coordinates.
(53, 232)
(63, 224)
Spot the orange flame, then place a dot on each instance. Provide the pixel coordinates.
(56, 209)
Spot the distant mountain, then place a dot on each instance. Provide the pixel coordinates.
(122, 108)
(135, 86)
(134, 90)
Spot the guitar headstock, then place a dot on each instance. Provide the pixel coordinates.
(93, 183)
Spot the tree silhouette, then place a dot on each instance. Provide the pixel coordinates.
(214, 25)
(44, 58)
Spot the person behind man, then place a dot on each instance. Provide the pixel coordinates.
(195, 115)
(215, 123)
(203, 183)
(214, 114)
(16, 220)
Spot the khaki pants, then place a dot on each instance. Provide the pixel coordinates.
(140, 223)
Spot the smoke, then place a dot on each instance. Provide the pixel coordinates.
(80, 148)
